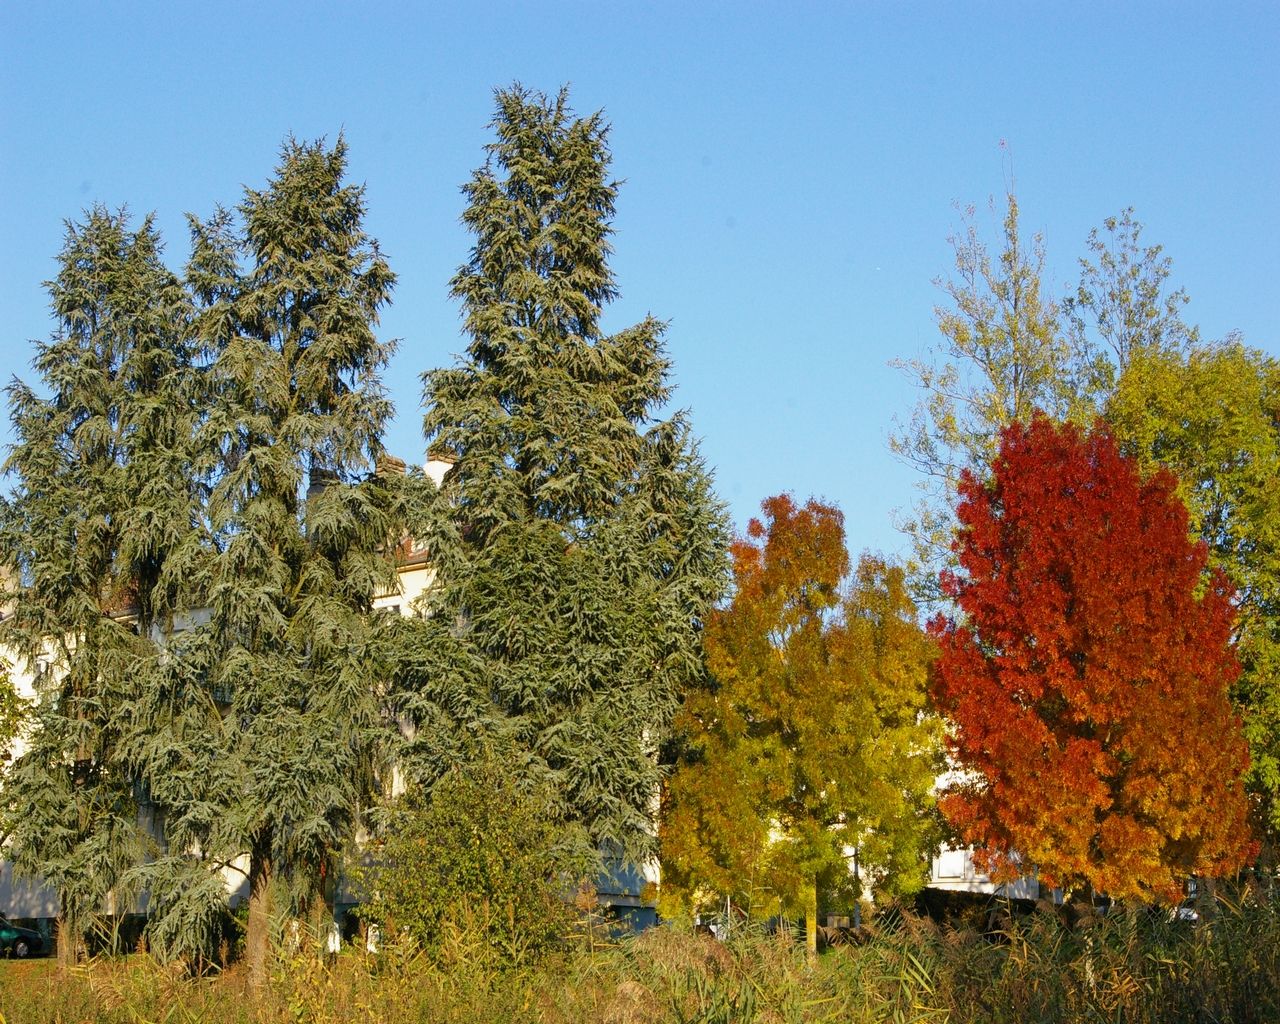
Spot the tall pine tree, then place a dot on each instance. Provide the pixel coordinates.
(174, 725)
(576, 539)
(264, 723)
(86, 535)
(292, 586)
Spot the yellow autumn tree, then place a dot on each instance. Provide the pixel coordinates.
(810, 739)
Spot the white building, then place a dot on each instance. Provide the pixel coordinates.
(953, 871)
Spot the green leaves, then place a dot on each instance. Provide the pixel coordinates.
(487, 853)
(1121, 307)
(1003, 356)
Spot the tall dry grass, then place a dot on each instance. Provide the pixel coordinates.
(1131, 967)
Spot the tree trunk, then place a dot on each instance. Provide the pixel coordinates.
(811, 920)
(1267, 867)
(1206, 901)
(258, 932)
(67, 941)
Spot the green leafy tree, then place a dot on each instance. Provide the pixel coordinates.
(811, 739)
(1123, 306)
(1003, 355)
(576, 540)
(482, 860)
(86, 561)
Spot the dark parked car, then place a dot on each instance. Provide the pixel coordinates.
(19, 942)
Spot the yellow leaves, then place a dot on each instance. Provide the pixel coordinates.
(818, 694)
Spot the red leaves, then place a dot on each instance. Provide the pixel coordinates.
(1087, 681)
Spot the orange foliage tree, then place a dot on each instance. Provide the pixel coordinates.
(1086, 681)
(810, 739)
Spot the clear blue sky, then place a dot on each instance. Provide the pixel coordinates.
(789, 173)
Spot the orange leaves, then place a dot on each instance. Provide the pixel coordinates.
(1087, 679)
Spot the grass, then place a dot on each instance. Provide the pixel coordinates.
(1127, 968)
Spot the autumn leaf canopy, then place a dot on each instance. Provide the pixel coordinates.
(1086, 673)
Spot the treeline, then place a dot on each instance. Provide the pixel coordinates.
(202, 516)
(1087, 652)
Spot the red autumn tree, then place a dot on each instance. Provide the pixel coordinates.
(1086, 682)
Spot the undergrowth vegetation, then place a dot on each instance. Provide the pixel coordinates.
(1129, 967)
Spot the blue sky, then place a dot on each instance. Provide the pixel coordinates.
(790, 173)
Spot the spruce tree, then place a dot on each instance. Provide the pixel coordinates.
(85, 536)
(576, 540)
(300, 527)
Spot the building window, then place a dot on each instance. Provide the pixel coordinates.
(952, 863)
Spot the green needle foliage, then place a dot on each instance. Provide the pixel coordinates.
(13, 714)
(85, 534)
(174, 725)
(291, 585)
(576, 539)
(263, 727)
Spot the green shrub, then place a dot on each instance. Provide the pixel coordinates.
(478, 870)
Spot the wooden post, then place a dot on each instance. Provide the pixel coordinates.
(811, 920)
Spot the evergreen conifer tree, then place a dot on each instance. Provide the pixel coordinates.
(174, 725)
(576, 539)
(85, 535)
(300, 526)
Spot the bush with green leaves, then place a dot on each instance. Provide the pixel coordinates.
(478, 868)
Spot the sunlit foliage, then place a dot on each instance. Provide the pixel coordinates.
(1086, 679)
(809, 739)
